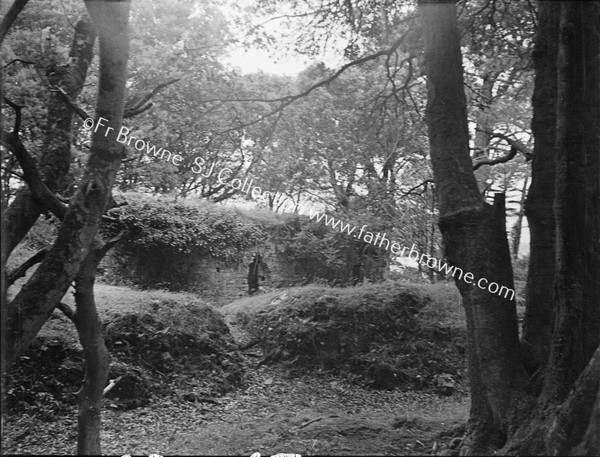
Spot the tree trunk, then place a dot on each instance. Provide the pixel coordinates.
(483, 128)
(567, 406)
(577, 198)
(24, 210)
(36, 300)
(97, 358)
(518, 227)
(475, 239)
(537, 325)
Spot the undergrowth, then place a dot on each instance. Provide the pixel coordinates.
(391, 334)
(161, 343)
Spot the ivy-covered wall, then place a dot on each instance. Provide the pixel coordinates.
(206, 248)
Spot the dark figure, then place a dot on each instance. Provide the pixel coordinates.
(253, 275)
(358, 273)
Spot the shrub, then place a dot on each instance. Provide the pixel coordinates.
(164, 240)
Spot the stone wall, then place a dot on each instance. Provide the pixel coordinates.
(213, 279)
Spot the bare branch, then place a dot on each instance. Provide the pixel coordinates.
(20, 271)
(10, 17)
(18, 60)
(67, 311)
(520, 147)
(289, 99)
(32, 176)
(71, 104)
(111, 243)
(515, 147)
(136, 106)
(505, 158)
(412, 190)
(30, 170)
(112, 383)
(17, 109)
(139, 104)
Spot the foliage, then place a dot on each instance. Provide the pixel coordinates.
(319, 252)
(171, 228)
(163, 241)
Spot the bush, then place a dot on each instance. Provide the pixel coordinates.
(321, 253)
(176, 228)
(164, 240)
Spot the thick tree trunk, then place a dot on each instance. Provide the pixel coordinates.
(475, 239)
(36, 300)
(24, 210)
(567, 406)
(537, 325)
(577, 198)
(97, 358)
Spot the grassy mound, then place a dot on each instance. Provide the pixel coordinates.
(173, 336)
(390, 333)
(161, 343)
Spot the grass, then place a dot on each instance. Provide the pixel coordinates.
(442, 307)
(112, 301)
(389, 334)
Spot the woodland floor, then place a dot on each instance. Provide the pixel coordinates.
(276, 412)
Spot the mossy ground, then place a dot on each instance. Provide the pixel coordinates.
(208, 396)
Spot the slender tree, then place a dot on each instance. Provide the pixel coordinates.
(77, 250)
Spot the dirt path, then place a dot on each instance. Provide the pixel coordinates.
(285, 412)
(277, 411)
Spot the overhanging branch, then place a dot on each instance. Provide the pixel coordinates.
(505, 158)
(515, 147)
(31, 173)
(10, 17)
(139, 104)
(22, 269)
(289, 99)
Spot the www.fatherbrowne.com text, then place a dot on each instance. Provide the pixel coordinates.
(123, 137)
(381, 240)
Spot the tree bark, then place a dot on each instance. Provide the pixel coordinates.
(567, 407)
(537, 325)
(474, 235)
(97, 358)
(24, 210)
(577, 198)
(36, 300)
(484, 127)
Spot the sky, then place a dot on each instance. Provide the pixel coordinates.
(283, 33)
(254, 60)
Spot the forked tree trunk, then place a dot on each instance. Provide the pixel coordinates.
(24, 210)
(35, 302)
(474, 235)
